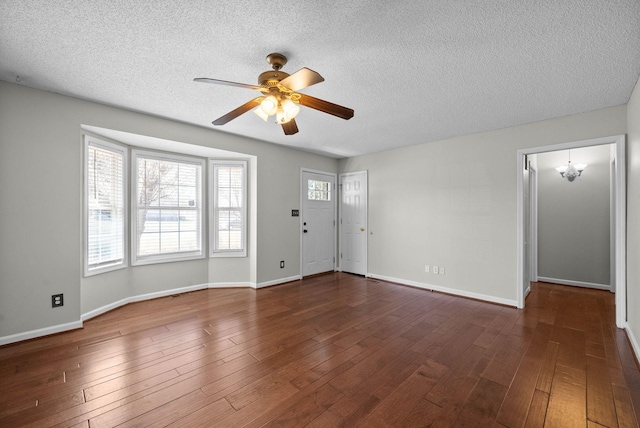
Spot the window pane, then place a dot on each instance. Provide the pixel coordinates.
(189, 241)
(169, 208)
(187, 196)
(318, 190)
(168, 194)
(105, 194)
(149, 243)
(229, 207)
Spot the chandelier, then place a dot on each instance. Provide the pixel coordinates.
(570, 171)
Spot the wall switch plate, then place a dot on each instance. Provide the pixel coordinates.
(57, 300)
(281, 264)
(435, 270)
(426, 268)
(441, 270)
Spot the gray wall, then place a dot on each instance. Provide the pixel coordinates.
(453, 203)
(633, 216)
(574, 218)
(41, 222)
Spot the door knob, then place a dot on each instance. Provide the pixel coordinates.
(362, 229)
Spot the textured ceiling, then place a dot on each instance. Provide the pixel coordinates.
(414, 71)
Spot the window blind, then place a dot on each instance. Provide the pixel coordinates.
(105, 199)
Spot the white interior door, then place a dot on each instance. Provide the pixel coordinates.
(318, 222)
(353, 222)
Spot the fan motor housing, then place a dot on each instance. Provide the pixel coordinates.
(272, 75)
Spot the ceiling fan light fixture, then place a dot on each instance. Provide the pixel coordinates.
(290, 109)
(281, 116)
(258, 110)
(269, 105)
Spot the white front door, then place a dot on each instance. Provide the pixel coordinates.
(353, 222)
(318, 222)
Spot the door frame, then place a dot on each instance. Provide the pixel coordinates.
(533, 223)
(530, 211)
(301, 213)
(619, 142)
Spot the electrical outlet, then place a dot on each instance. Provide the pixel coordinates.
(57, 300)
(441, 270)
(426, 268)
(281, 264)
(435, 270)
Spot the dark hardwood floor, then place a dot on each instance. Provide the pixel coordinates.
(333, 350)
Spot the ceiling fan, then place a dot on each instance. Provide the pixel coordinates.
(280, 97)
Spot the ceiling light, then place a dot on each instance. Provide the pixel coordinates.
(269, 105)
(281, 116)
(258, 110)
(569, 171)
(290, 109)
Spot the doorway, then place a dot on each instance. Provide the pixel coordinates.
(318, 222)
(618, 218)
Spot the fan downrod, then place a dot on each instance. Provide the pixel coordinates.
(276, 60)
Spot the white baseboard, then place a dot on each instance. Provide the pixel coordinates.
(575, 283)
(19, 337)
(635, 345)
(455, 292)
(104, 309)
(278, 281)
(140, 298)
(231, 285)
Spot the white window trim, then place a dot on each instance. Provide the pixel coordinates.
(91, 141)
(173, 257)
(212, 227)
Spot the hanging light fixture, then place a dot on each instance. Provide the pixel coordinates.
(570, 171)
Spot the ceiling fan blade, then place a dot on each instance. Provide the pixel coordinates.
(301, 79)
(290, 127)
(326, 107)
(238, 111)
(226, 83)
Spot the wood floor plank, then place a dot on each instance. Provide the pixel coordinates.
(568, 401)
(514, 409)
(538, 410)
(624, 407)
(457, 378)
(196, 415)
(334, 350)
(456, 400)
(481, 408)
(548, 367)
(397, 406)
(307, 409)
(600, 401)
(360, 397)
(422, 415)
